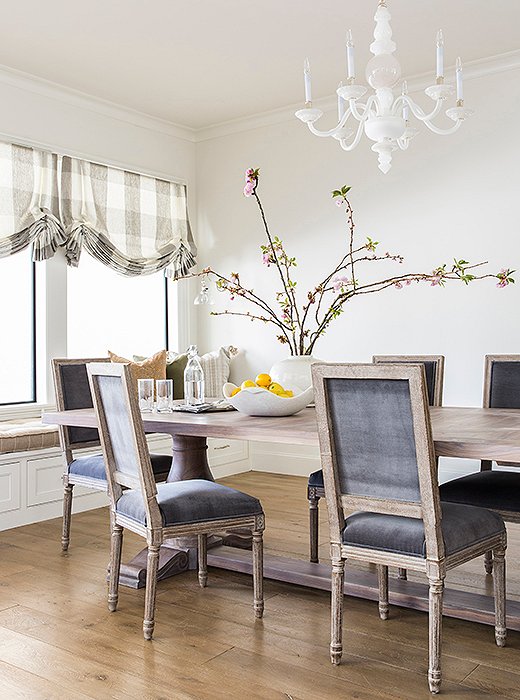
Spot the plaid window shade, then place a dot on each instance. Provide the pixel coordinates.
(29, 201)
(133, 223)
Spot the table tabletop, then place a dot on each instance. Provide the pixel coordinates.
(475, 433)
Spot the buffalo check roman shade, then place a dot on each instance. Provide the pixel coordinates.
(133, 223)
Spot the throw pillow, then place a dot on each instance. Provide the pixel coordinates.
(151, 368)
(175, 366)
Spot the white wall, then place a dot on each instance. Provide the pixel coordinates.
(445, 197)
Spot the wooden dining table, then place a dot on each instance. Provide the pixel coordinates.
(487, 434)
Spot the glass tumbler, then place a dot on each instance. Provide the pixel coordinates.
(145, 393)
(164, 394)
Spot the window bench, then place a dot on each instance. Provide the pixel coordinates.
(31, 467)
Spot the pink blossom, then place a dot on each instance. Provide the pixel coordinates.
(398, 285)
(503, 283)
(339, 282)
(249, 188)
(408, 283)
(249, 173)
(266, 259)
(339, 202)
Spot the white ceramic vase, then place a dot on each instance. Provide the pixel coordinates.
(293, 372)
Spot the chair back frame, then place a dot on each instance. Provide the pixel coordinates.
(145, 481)
(438, 360)
(428, 509)
(67, 444)
(489, 361)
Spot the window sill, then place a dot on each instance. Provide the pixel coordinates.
(22, 411)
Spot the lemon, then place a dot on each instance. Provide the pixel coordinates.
(289, 394)
(247, 383)
(263, 380)
(276, 388)
(235, 391)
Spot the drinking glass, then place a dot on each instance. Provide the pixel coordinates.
(164, 394)
(145, 393)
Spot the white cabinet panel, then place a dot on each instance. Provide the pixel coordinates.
(44, 484)
(9, 486)
(222, 451)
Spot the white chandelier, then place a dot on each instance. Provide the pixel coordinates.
(383, 116)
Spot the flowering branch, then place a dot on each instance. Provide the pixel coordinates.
(301, 326)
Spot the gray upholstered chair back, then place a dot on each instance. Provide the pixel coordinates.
(73, 392)
(121, 431)
(433, 367)
(376, 444)
(502, 381)
(372, 433)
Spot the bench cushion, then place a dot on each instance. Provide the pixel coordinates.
(490, 489)
(462, 526)
(191, 501)
(21, 436)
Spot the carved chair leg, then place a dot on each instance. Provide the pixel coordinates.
(488, 562)
(435, 634)
(152, 565)
(116, 542)
(258, 573)
(67, 512)
(313, 526)
(382, 579)
(402, 574)
(499, 585)
(336, 632)
(203, 560)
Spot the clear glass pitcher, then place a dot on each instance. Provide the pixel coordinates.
(193, 379)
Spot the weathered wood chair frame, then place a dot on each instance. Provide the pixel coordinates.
(486, 465)
(68, 445)
(436, 563)
(314, 493)
(89, 438)
(154, 532)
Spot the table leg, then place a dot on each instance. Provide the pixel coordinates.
(190, 461)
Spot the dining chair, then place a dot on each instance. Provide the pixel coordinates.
(378, 460)
(488, 488)
(434, 368)
(73, 392)
(158, 511)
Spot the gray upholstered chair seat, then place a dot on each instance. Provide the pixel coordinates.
(462, 526)
(191, 501)
(490, 489)
(93, 466)
(316, 479)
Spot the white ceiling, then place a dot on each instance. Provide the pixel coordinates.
(203, 62)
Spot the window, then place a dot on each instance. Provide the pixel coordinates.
(106, 311)
(18, 346)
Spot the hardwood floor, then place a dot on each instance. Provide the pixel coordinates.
(59, 642)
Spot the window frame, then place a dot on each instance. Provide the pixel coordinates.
(34, 377)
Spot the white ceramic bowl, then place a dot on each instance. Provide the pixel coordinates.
(255, 401)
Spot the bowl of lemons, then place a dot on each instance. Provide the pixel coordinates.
(263, 397)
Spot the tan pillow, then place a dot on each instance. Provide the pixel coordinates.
(152, 368)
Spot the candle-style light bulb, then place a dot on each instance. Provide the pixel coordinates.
(440, 54)
(406, 108)
(307, 80)
(341, 105)
(351, 66)
(458, 74)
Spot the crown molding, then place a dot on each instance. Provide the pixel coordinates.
(25, 81)
(416, 83)
(54, 91)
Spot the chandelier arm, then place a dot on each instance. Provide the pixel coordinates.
(403, 144)
(417, 111)
(330, 132)
(356, 140)
(361, 117)
(444, 132)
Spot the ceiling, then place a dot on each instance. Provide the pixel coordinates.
(202, 62)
